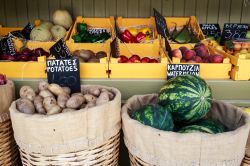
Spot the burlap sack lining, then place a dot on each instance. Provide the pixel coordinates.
(4, 116)
(148, 154)
(106, 118)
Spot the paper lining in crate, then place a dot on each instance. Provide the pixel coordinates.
(180, 22)
(89, 136)
(20, 43)
(140, 70)
(94, 23)
(139, 25)
(210, 70)
(152, 147)
(9, 155)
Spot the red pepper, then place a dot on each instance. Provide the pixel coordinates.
(127, 37)
(139, 37)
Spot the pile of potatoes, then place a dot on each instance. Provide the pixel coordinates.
(51, 99)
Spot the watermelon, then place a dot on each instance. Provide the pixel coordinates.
(187, 97)
(204, 126)
(155, 116)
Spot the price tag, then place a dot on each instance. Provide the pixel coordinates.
(7, 46)
(114, 48)
(60, 50)
(97, 31)
(26, 30)
(161, 24)
(233, 31)
(211, 30)
(64, 72)
(174, 70)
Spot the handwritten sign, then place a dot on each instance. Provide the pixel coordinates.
(234, 31)
(26, 30)
(211, 30)
(7, 46)
(60, 50)
(97, 31)
(174, 70)
(64, 72)
(114, 48)
(161, 24)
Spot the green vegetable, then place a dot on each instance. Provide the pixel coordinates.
(183, 36)
(205, 126)
(77, 38)
(187, 97)
(81, 27)
(155, 116)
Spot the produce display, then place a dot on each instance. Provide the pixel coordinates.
(238, 48)
(52, 99)
(3, 79)
(199, 54)
(136, 35)
(25, 55)
(84, 34)
(183, 104)
(89, 56)
(136, 59)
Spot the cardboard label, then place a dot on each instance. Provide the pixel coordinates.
(64, 72)
(60, 50)
(7, 46)
(234, 31)
(211, 30)
(114, 48)
(97, 31)
(161, 24)
(174, 70)
(26, 30)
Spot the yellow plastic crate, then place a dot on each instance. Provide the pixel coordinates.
(93, 70)
(181, 21)
(31, 44)
(93, 22)
(140, 70)
(211, 70)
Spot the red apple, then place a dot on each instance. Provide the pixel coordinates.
(191, 61)
(145, 60)
(189, 54)
(217, 58)
(122, 59)
(177, 53)
(197, 59)
(130, 61)
(135, 58)
(183, 61)
(2, 79)
(201, 51)
(183, 49)
(153, 61)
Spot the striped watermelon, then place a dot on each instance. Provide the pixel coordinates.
(155, 116)
(187, 97)
(204, 126)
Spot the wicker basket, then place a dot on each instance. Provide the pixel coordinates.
(86, 137)
(9, 155)
(135, 161)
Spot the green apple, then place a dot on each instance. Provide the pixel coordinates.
(248, 35)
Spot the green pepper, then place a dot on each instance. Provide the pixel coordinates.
(77, 38)
(103, 37)
(81, 27)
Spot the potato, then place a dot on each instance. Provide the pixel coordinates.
(55, 89)
(77, 94)
(45, 93)
(111, 94)
(84, 90)
(94, 91)
(27, 92)
(68, 110)
(25, 106)
(102, 99)
(91, 104)
(75, 101)
(55, 109)
(48, 102)
(89, 98)
(67, 90)
(38, 102)
(62, 99)
(83, 106)
(43, 85)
